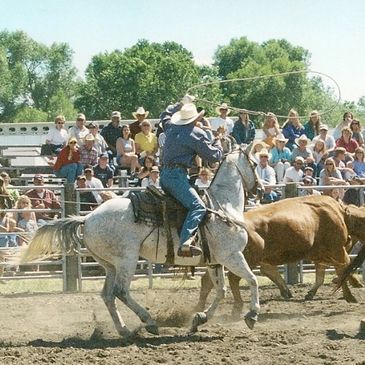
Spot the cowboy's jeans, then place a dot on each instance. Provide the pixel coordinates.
(175, 181)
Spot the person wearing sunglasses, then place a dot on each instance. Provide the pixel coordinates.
(57, 137)
(68, 163)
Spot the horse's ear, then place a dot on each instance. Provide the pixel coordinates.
(248, 149)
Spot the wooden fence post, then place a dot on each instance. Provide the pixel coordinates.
(292, 275)
(72, 266)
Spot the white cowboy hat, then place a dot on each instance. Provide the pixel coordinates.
(281, 138)
(222, 106)
(303, 137)
(186, 115)
(140, 111)
(188, 99)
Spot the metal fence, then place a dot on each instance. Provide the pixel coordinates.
(87, 269)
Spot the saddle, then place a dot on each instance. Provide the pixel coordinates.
(158, 209)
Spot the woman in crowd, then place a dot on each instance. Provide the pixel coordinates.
(126, 151)
(346, 121)
(355, 127)
(244, 128)
(311, 128)
(347, 141)
(270, 128)
(149, 162)
(14, 193)
(280, 157)
(330, 175)
(319, 154)
(358, 164)
(292, 128)
(57, 137)
(68, 162)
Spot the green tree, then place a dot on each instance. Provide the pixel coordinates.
(242, 58)
(149, 74)
(32, 74)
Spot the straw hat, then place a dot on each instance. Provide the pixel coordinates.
(140, 111)
(281, 138)
(303, 137)
(264, 152)
(186, 115)
(222, 106)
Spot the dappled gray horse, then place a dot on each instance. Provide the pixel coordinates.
(116, 242)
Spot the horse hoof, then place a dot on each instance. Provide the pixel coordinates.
(251, 318)
(199, 318)
(153, 329)
(309, 296)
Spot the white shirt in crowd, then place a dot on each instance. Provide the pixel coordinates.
(227, 123)
(293, 175)
(96, 184)
(266, 174)
(57, 136)
(147, 181)
(329, 141)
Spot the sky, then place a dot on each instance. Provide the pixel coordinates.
(333, 31)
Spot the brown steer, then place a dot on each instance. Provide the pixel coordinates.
(316, 228)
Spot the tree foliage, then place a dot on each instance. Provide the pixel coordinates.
(149, 74)
(32, 74)
(38, 82)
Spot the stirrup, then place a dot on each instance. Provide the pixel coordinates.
(188, 250)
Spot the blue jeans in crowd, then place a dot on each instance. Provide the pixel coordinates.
(175, 181)
(70, 171)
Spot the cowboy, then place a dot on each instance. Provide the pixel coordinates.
(140, 115)
(183, 142)
(222, 119)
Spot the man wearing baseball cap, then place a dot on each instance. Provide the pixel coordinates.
(79, 130)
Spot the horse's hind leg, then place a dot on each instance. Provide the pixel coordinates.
(237, 264)
(124, 274)
(217, 277)
(109, 299)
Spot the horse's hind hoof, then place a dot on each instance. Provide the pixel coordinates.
(250, 319)
(153, 329)
(199, 318)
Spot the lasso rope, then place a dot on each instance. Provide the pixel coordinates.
(261, 113)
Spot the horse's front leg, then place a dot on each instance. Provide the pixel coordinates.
(217, 277)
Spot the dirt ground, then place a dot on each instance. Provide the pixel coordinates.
(76, 329)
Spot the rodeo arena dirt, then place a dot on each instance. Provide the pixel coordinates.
(50, 316)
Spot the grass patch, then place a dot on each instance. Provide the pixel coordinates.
(175, 283)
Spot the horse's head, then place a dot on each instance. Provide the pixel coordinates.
(245, 167)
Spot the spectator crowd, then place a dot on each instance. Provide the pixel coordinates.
(295, 152)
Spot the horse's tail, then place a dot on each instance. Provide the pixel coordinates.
(57, 237)
(356, 262)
